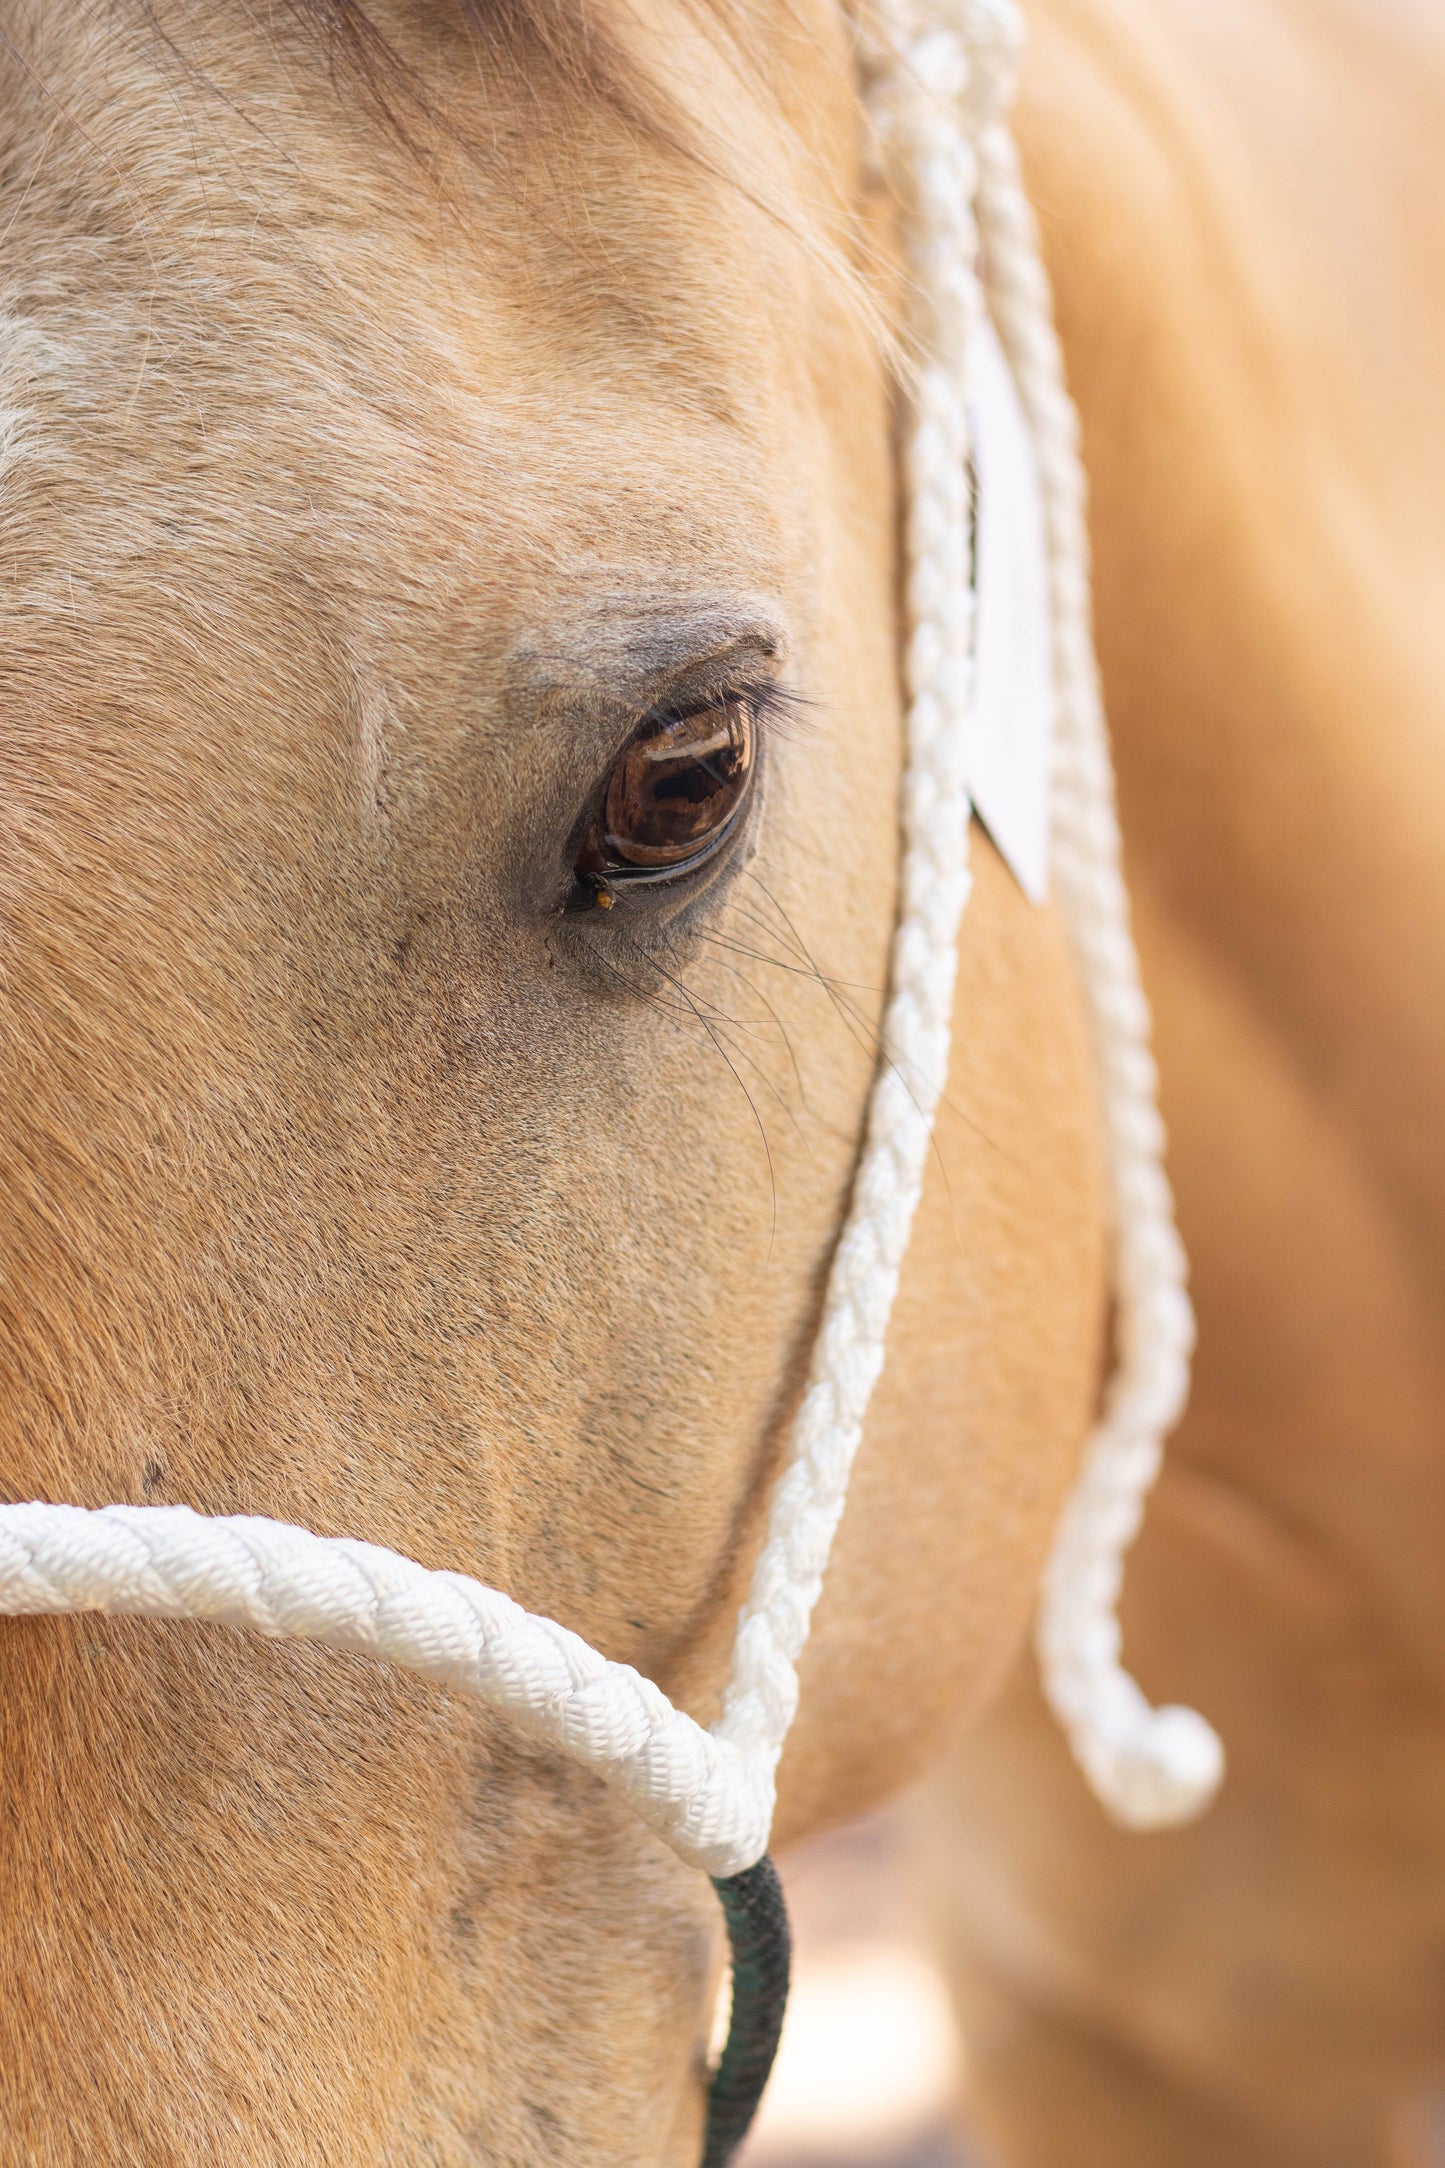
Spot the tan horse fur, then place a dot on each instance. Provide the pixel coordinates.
(1244, 205)
(358, 492)
(344, 516)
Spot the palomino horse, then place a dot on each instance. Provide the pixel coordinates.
(416, 424)
(405, 415)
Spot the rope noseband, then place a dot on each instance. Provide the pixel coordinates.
(937, 79)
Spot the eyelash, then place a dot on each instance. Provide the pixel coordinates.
(781, 711)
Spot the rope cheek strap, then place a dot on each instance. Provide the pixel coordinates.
(1150, 1767)
(937, 78)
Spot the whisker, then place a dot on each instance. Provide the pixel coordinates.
(761, 1074)
(742, 1087)
(780, 963)
(715, 941)
(864, 1035)
(949, 1105)
(874, 1041)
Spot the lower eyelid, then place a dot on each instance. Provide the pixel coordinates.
(643, 884)
(660, 876)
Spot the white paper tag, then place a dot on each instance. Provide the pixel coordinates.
(1013, 694)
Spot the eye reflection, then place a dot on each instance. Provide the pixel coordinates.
(674, 791)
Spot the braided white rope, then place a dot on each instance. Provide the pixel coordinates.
(919, 80)
(168, 1562)
(939, 80)
(1150, 1767)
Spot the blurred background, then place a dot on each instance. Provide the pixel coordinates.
(870, 2067)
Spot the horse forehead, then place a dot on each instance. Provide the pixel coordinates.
(631, 347)
(582, 245)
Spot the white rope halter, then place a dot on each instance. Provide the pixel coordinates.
(938, 80)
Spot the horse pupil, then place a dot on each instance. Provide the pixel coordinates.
(678, 785)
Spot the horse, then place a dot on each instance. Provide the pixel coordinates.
(449, 474)
(1241, 207)
(414, 416)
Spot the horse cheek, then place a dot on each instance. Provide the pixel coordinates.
(989, 1386)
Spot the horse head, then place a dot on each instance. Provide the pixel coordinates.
(451, 761)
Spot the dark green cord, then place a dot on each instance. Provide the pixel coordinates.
(762, 1948)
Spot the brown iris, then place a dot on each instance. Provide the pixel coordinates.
(674, 791)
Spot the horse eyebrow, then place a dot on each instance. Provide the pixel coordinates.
(648, 657)
(680, 640)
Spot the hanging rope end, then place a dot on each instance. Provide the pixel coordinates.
(1162, 1773)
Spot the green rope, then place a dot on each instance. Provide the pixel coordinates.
(757, 1924)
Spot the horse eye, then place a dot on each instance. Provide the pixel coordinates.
(674, 793)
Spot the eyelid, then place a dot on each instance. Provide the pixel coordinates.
(627, 878)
